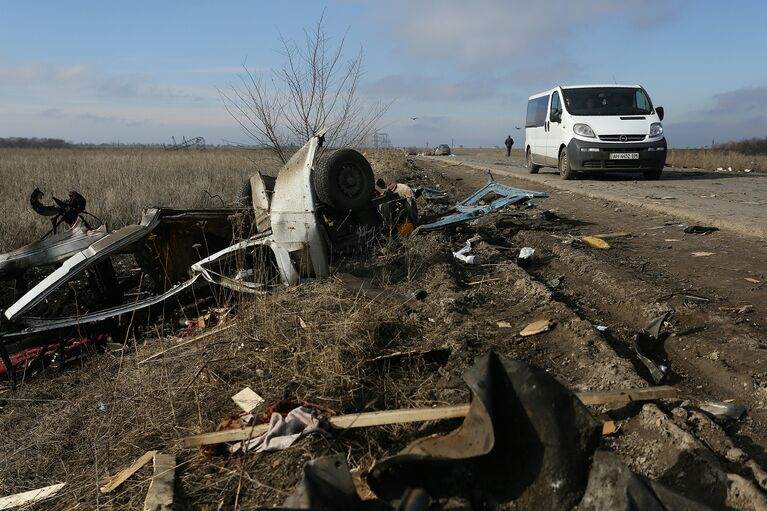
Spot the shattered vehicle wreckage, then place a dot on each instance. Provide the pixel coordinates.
(321, 203)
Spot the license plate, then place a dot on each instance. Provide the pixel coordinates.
(624, 156)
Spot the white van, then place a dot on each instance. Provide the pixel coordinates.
(595, 128)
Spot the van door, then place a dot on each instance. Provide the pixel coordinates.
(554, 129)
(535, 128)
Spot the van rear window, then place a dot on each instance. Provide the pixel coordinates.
(536, 112)
(607, 101)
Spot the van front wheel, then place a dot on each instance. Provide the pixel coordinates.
(652, 175)
(564, 165)
(532, 168)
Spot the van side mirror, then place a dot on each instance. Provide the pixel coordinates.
(556, 116)
(660, 112)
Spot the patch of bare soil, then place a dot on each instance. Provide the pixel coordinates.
(328, 342)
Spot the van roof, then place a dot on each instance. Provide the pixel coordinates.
(589, 86)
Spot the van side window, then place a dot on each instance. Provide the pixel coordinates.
(642, 103)
(536, 112)
(556, 104)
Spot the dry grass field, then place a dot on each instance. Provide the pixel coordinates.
(117, 183)
(713, 159)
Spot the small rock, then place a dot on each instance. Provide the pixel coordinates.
(680, 413)
(736, 455)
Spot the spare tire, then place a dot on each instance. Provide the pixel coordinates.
(343, 179)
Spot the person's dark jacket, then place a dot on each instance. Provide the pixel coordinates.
(509, 141)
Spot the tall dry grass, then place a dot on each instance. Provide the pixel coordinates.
(712, 159)
(117, 183)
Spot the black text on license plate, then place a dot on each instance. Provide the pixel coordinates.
(624, 156)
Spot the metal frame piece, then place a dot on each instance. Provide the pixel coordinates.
(468, 210)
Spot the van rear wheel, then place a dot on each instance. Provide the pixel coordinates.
(532, 168)
(565, 170)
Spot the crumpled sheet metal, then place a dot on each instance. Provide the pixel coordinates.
(526, 439)
(468, 210)
(645, 341)
(527, 442)
(51, 250)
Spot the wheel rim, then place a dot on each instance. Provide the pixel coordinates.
(349, 180)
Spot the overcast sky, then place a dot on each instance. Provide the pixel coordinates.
(143, 71)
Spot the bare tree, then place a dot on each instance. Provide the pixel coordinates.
(316, 89)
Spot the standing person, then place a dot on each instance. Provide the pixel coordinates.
(509, 143)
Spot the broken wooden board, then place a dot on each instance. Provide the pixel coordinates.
(612, 235)
(404, 415)
(627, 396)
(119, 478)
(187, 343)
(30, 497)
(160, 494)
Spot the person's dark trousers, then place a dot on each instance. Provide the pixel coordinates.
(508, 152)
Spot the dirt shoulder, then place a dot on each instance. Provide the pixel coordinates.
(711, 351)
(729, 200)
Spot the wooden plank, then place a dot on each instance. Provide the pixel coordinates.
(356, 420)
(30, 497)
(612, 235)
(159, 497)
(627, 396)
(187, 343)
(122, 476)
(403, 415)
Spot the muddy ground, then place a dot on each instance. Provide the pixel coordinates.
(321, 342)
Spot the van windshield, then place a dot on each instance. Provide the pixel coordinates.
(607, 101)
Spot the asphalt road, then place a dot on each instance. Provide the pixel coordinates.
(733, 201)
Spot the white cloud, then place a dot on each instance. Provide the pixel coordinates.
(490, 34)
(35, 73)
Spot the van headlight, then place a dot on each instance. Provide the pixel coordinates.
(656, 129)
(583, 130)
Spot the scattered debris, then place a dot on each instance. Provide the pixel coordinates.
(537, 327)
(753, 281)
(703, 254)
(526, 439)
(733, 411)
(595, 242)
(159, 497)
(646, 341)
(122, 476)
(464, 255)
(469, 208)
(282, 432)
(247, 400)
(30, 497)
(609, 428)
(600, 328)
(504, 324)
(700, 229)
(741, 309)
(525, 256)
